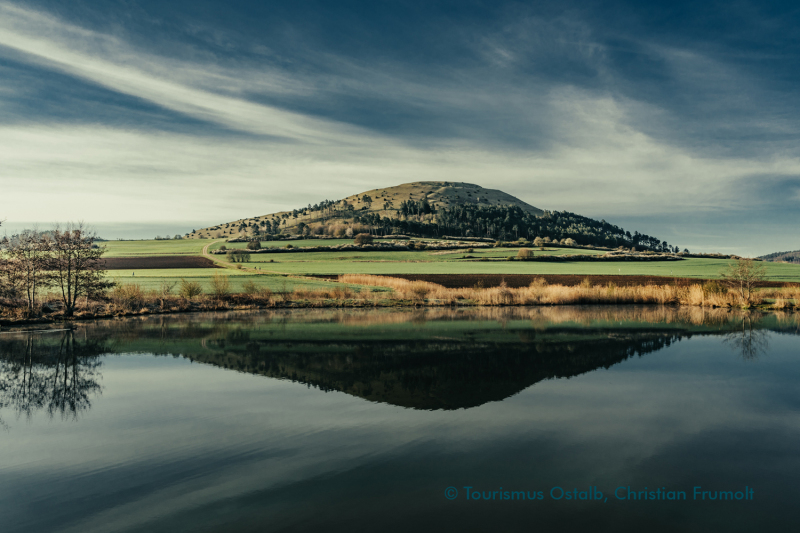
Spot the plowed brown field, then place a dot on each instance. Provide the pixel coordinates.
(160, 262)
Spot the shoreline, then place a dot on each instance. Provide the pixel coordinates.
(394, 292)
(225, 306)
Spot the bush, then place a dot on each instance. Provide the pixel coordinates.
(223, 247)
(128, 296)
(238, 256)
(220, 285)
(250, 288)
(254, 245)
(715, 287)
(189, 289)
(363, 238)
(166, 288)
(524, 253)
(289, 246)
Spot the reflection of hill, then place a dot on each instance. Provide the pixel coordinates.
(423, 359)
(433, 375)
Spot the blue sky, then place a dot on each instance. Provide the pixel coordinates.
(677, 119)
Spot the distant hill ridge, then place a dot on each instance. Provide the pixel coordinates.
(433, 209)
(783, 257)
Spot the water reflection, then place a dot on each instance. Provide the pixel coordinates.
(56, 373)
(749, 340)
(421, 359)
(231, 444)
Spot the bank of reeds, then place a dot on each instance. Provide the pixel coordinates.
(711, 295)
(133, 299)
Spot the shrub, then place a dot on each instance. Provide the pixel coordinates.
(189, 289)
(166, 288)
(289, 246)
(223, 247)
(714, 287)
(220, 285)
(254, 245)
(524, 253)
(238, 256)
(251, 289)
(419, 289)
(128, 296)
(363, 238)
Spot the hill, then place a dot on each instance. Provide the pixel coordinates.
(783, 257)
(432, 209)
(384, 202)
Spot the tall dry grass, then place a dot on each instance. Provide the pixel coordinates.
(540, 293)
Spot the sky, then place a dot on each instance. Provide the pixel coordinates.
(138, 117)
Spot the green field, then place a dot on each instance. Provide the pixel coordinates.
(689, 268)
(272, 268)
(162, 247)
(154, 279)
(423, 256)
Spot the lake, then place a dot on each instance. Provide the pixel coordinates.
(517, 419)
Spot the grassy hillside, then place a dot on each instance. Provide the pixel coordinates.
(384, 202)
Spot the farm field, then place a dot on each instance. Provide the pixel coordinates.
(153, 279)
(422, 256)
(689, 268)
(416, 262)
(283, 244)
(139, 262)
(153, 247)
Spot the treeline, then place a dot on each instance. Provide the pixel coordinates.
(66, 260)
(508, 223)
(426, 219)
(786, 257)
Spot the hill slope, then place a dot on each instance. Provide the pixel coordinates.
(383, 202)
(434, 209)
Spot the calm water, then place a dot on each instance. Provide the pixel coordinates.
(361, 421)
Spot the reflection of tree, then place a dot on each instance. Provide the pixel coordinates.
(56, 374)
(749, 341)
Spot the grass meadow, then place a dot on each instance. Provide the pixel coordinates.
(272, 268)
(153, 247)
(154, 279)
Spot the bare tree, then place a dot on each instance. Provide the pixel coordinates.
(743, 276)
(25, 266)
(76, 265)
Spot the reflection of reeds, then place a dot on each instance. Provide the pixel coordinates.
(540, 317)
